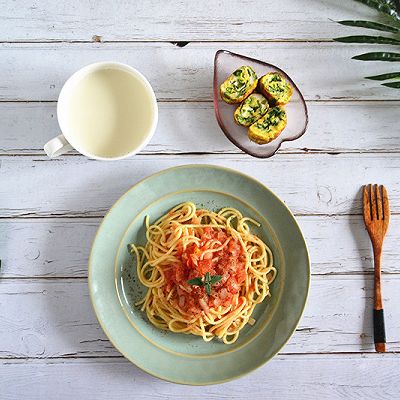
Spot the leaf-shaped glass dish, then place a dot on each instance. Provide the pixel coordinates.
(225, 63)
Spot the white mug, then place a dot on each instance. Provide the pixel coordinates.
(106, 111)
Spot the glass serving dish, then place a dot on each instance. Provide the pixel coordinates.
(225, 62)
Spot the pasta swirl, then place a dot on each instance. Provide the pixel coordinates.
(187, 243)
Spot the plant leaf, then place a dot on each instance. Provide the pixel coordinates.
(383, 77)
(386, 7)
(196, 281)
(393, 4)
(395, 85)
(367, 39)
(208, 289)
(215, 278)
(378, 56)
(370, 25)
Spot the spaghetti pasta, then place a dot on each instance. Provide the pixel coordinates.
(205, 272)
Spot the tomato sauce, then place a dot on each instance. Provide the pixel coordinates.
(195, 261)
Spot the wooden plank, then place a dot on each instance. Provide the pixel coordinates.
(186, 73)
(54, 318)
(76, 186)
(285, 377)
(175, 20)
(60, 248)
(46, 248)
(333, 127)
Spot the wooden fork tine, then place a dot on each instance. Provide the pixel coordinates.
(373, 202)
(367, 205)
(385, 200)
(379, 202)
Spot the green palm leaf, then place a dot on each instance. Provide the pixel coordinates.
(378, 56)
(367, 39)
(384, 77)
(370, 25)
(388, 8)
(395, 85)
(391, 8)
(393, 4)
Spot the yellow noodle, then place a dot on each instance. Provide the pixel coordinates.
(183, 226)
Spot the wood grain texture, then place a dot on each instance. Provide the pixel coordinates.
(76, 186)
(376, 212)
(51, 247)
(54, 318)
(376, 217)
(186, 73)
(285, 377)
(333, 127)
(60, 247)
(229, 20)
(51, 316)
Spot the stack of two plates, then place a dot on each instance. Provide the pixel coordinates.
(114, 287)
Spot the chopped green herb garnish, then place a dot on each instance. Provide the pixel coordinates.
(207, 281)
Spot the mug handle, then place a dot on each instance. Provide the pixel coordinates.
(57, 146)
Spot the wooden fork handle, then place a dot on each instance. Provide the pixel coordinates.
(379, 320)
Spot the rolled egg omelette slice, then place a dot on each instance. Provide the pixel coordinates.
(251, 109)
(238, 85)
(269, 126)
(275, 88)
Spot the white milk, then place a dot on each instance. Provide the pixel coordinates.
(108, 112)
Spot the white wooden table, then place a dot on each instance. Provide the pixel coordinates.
(51, 346)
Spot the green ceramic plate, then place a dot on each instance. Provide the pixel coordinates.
(114, 287)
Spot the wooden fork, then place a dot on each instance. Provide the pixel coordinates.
(376, 218)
